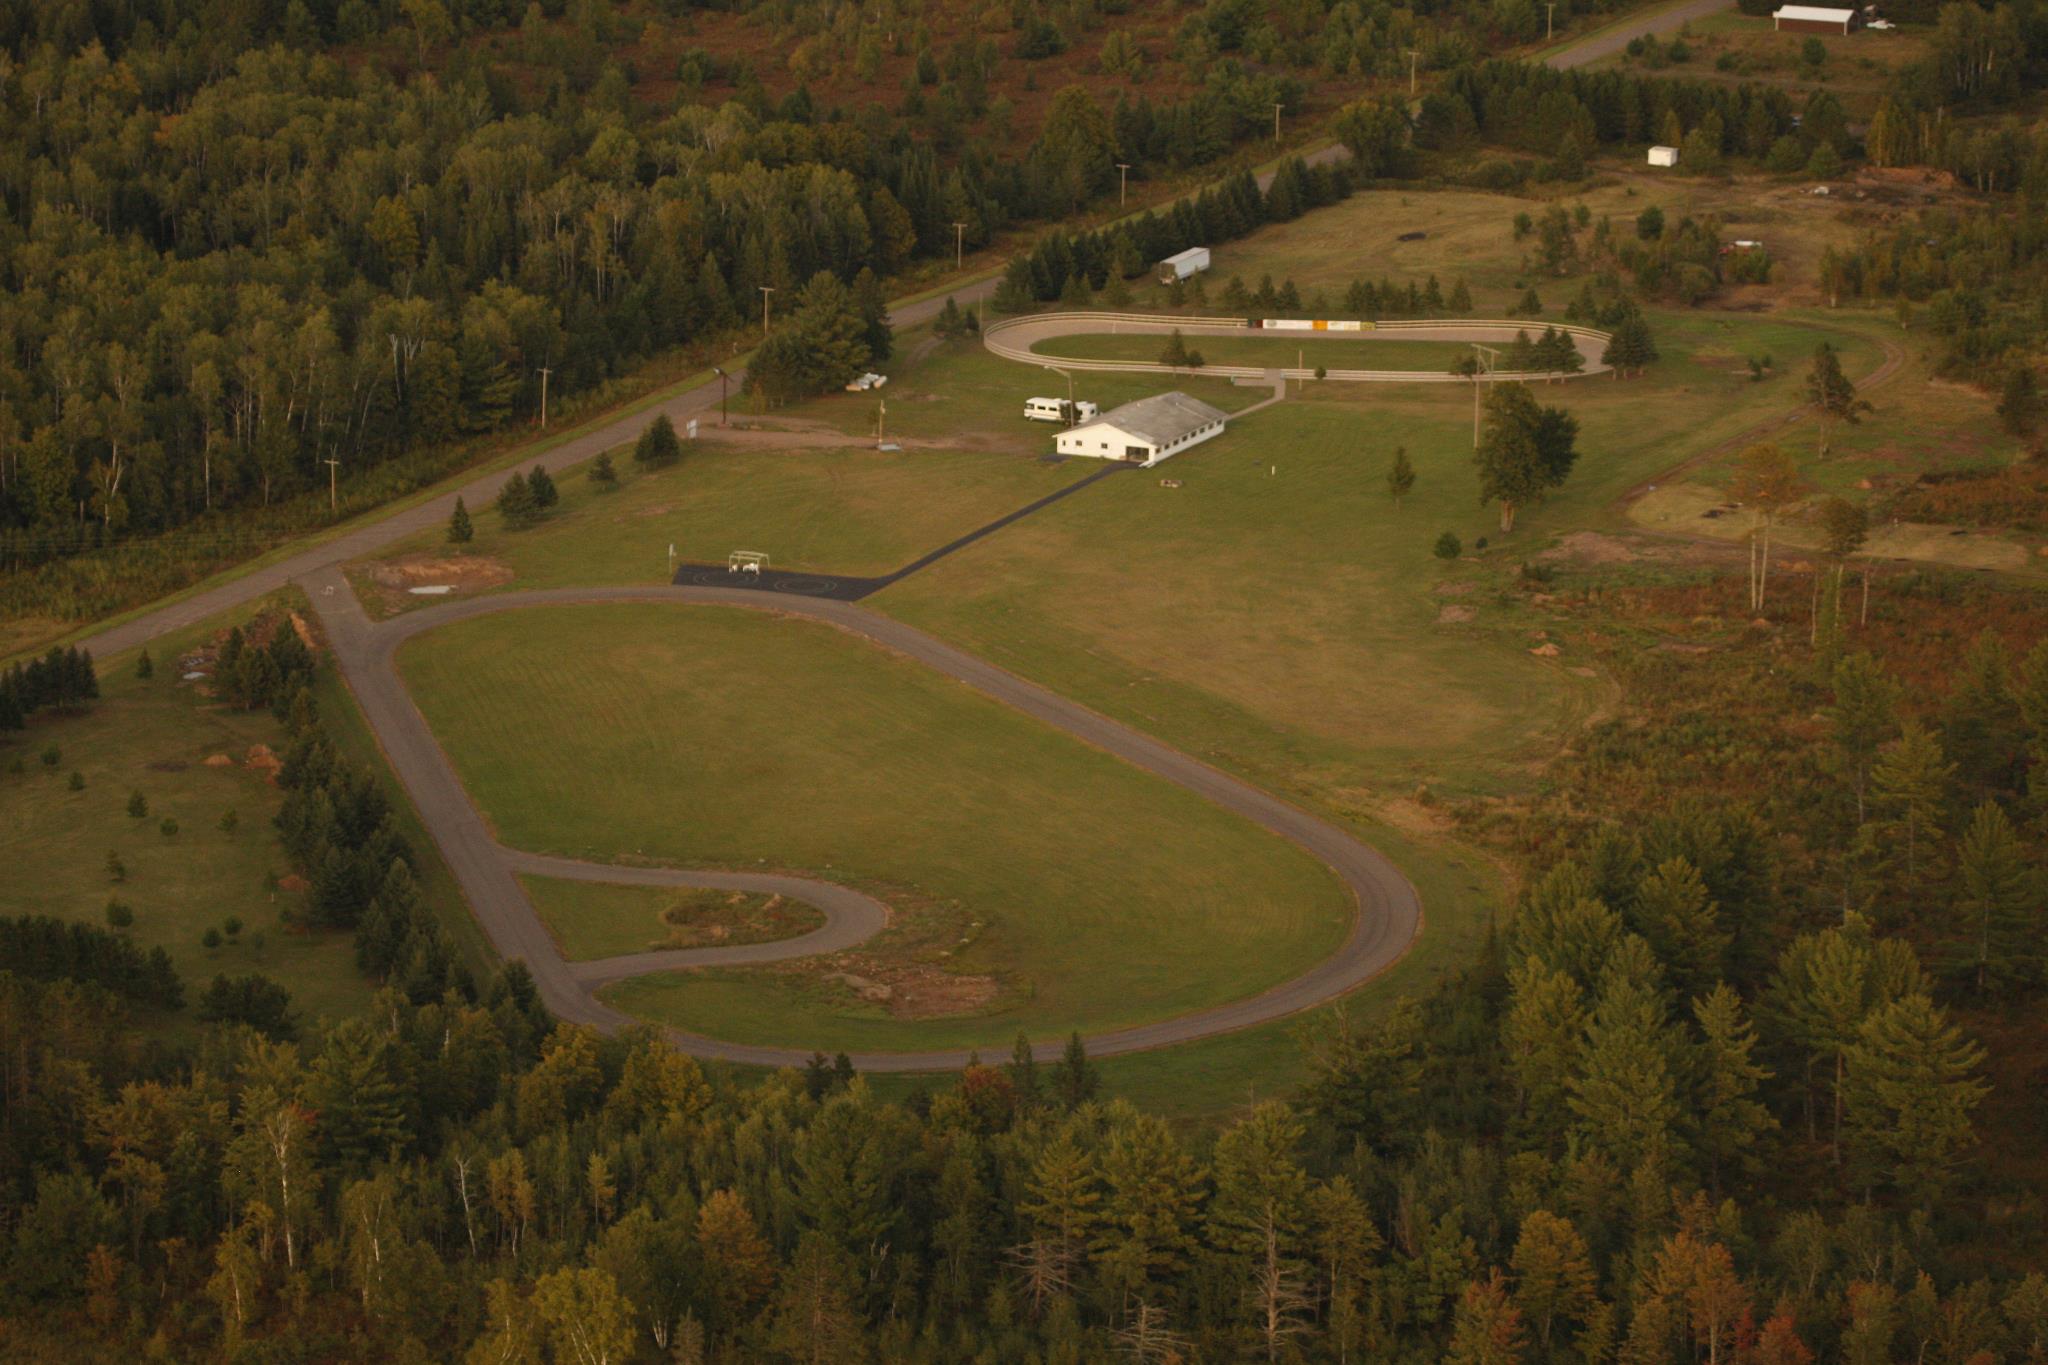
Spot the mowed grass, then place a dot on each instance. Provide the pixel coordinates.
(603, 919)
(847, 511)
(1096, 895)
(960, 393)
(1358, 351)
(154, 737)
(1279, 614)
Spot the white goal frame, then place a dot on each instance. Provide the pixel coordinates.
(746, 561)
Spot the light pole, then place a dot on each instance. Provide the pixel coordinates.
(1070, 391)
(1549, 21)
(766, 291)
(1123, 169)
(1276, 123)
(722, 377)
(959, 234)
(1412, 55)
(544, 373)
(1484, 358)
(331, 506)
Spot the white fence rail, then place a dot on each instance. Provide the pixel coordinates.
(1109, 323)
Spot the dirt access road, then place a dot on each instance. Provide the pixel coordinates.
(1388, 918)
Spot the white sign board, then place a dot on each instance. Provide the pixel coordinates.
(693, 428)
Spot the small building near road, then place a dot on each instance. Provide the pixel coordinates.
(1813, 19)
(1182, 264)
(1663, 156)
(1146, 431)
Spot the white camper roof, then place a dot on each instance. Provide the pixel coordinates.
(1192, 254)
(1817, 13)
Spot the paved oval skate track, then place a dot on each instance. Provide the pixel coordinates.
(1017, 339)
(1389, 911)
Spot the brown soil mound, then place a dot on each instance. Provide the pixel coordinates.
(294, 883)
(263, 760)
(220, 761)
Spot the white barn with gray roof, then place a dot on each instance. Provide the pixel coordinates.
(1146, 431)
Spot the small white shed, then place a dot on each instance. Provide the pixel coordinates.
(1146, 431)
(1663, 156)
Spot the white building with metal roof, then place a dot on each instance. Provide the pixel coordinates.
(1146, 431)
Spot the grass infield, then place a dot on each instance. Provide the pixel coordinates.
(1036, 884)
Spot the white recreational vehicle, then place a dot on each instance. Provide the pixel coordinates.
(1060, 410)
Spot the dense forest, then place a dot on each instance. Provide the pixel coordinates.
(1707, 1095)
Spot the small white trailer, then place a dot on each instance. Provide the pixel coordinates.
(1182, 264)
(1663, 156)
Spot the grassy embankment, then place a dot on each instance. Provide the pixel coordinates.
(602, 919)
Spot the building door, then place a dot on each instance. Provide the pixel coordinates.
(1137, 453)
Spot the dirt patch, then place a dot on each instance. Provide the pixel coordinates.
(1594, 548)
(1452, 614)
(294, 883)
(913, 990)
(461, 572)
(1412, 816)
(220, 761)
(263, 761)
(707, 918)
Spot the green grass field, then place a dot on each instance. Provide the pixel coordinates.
(603, 919)
(154, 737)
(847, 511)
(1094, 895)
(961, 394)
(1362, 351)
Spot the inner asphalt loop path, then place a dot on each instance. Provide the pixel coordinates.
(1389, 913)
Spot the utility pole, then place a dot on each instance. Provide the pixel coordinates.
(1549, 21)
(544, 373)
(959, 234)
(766, 291)
(1412, 55)
(722, 377)
(1484, 358)
(1276, 123)
(332, 506)
(1123, 169)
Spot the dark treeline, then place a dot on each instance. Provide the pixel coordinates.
(1979, 280)
(60, 677)
(47, 949)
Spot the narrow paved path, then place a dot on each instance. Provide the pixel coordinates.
(1389, 911)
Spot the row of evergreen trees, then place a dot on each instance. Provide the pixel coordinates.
(274, 674)
(338, 823)
(1221, 213)
(61, 677)
(49, 949)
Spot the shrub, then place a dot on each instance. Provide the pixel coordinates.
(658, 444)
(601, 470)
(1448, 546)
(169, 826)
(52, 756)
(119, 914)
(138, 805)
(144, 669)
(211, 939)
(231, 926)
(77, 781)
(228, 820)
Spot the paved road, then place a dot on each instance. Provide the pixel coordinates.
(1609, 41)
(1389, 911)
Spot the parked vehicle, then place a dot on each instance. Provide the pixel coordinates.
(870, 380)
(1060, 410)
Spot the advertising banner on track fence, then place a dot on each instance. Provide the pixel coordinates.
(1311, 325)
